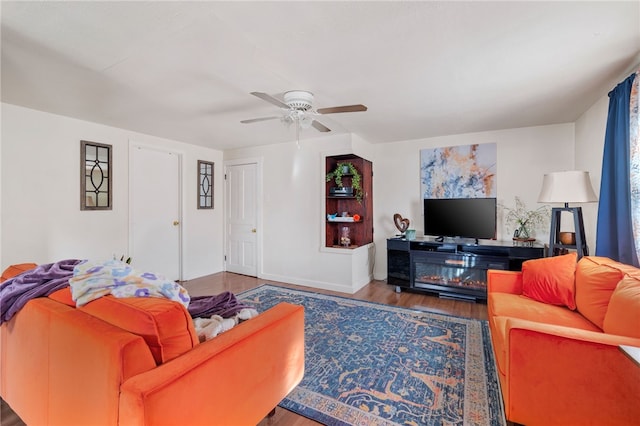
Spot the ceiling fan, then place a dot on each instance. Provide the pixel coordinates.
(297, 108)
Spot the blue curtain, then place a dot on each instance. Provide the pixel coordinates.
(614, 236)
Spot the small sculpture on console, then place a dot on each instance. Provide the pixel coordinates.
(401, 223)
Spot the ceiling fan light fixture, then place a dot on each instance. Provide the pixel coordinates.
(300, 100)
(305, 122)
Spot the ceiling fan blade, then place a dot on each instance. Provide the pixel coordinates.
(270, 99)
(345, 108)
(255, 120)
(319, 126)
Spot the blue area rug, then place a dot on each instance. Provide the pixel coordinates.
(373, 364)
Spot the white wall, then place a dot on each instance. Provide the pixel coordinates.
(590, 131)
(524, 156)
(294, 187)
(41, 219)
(293, 216)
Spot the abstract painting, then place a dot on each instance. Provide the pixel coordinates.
(467, 171)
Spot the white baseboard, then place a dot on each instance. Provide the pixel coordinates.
(349, 289)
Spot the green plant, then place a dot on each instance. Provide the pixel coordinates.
(356, 179)
(526, 221)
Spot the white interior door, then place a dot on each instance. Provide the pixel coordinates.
(242, 224)
(154, 200)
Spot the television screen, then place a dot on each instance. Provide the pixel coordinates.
(460, 217)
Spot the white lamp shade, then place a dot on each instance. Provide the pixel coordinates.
(567, 187)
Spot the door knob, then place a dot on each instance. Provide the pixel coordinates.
(176, 223)
(253, 230)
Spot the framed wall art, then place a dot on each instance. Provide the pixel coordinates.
(467, 171)
(205, 184)
(96, 184)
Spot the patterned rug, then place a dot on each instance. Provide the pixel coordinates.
(373, 364)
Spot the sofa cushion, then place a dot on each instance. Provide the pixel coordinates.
(63, 296)
(596, 279)
(623, 313)
(503, 306)
(16, 269)
(165, 325)
(522, 307)
(551, 280)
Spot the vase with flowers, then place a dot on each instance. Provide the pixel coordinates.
(526, 221)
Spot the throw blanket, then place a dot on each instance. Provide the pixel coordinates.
(92, 280)
(208, 328)
(41, 281)
(225, 305)
(216, 314)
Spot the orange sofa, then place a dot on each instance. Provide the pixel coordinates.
(138, 361)
(556, 328)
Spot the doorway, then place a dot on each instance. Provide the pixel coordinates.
(155, 239)
(243, 212)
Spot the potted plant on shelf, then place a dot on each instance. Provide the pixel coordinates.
(526, 221)
(348, 169)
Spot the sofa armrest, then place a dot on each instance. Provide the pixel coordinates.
(236, 378)
(559, 375)
(499, 281)
(61, 366)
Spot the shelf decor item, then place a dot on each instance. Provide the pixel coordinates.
(401, 223)
(526, 221)
(568, 238)
(347, 169)
(345, 236)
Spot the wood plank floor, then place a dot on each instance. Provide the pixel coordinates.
(376, 291)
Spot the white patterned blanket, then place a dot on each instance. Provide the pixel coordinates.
(92, 280)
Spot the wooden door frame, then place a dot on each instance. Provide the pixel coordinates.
(258, 161)
(180, 156)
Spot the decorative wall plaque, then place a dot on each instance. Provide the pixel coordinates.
(205, 184)
(95, 176)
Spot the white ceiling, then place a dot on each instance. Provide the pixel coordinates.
(184, 70)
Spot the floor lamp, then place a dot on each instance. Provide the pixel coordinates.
(567, 187)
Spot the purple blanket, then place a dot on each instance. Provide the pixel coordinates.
(45, 279)
(224, 304)
(41, 281)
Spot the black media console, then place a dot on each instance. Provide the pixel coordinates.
(452, 269)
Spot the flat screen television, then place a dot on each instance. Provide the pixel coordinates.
(460, 217)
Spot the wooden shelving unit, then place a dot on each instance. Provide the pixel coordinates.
(361, 231)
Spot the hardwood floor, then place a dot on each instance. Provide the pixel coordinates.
(8, 417)
(376, 291)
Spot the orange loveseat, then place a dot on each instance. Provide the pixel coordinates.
(138, 361)
(556, 328)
